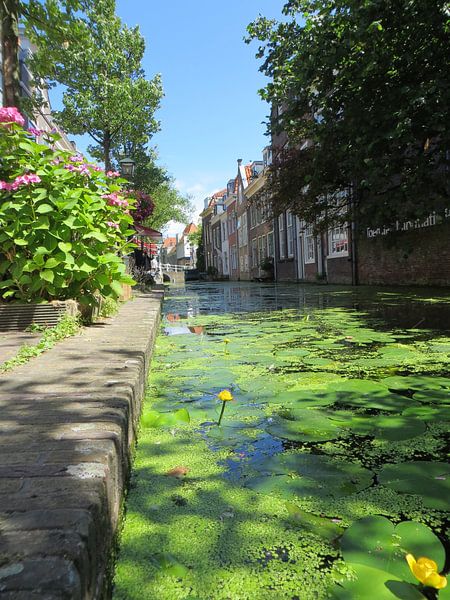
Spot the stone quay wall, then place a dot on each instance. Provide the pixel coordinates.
(68, 422)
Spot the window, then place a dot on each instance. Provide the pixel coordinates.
(244, 230)
(309, 243)
(282, 235)
(262, 249)
(338, 241)
(225, 262)
(254, 252)
(270, 246)
(224, 230)
(290, 233)
(234, 258)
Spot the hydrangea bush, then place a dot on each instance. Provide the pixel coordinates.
(65, 225)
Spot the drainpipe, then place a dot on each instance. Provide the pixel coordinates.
(353, 234)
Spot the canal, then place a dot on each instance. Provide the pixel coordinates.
(331, 460)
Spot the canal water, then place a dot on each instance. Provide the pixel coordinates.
(331, 460)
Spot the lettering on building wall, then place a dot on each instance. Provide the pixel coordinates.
(432, 219)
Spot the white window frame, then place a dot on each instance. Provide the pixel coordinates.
(290, 234)
(338, 241)
(309, 242)
(270, 245)
(281, 236)
(254, 252)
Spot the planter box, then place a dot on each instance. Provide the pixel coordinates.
(17, 317)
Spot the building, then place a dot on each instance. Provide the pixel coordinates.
(42, 118)
(186, 251)
(212, 241)
(168, 254)
(260, 223)
(245, 175)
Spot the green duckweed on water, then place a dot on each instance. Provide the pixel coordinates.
(331, 462)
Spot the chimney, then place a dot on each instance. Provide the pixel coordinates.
(239, 162)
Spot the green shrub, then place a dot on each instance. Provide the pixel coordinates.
(64, 225)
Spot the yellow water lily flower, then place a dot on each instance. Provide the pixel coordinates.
(426, 571)
(225, 396)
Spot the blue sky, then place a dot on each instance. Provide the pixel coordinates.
(211, 114)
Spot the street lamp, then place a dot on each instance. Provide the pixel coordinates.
(127, 165)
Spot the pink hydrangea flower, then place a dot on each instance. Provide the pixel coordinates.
(4, 185)
(25, 180)
(114, 200)
(112, 224)
(35, 132)
(20, 181)
(76, 158)
(113, 174)
(10, 114)
(96, 168)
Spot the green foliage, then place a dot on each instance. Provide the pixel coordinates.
(170, 205)
(351, 81)
(60, 236)
(99, 64)
(108, 307)
(66, 327)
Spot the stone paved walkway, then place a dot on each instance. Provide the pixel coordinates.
(11, 341)
(67, 421)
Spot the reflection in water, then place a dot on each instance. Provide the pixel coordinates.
(409, 308)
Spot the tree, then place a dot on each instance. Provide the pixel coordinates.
(170, 205)
(364, 93)
(50, 17)
(99, 64)
(154, 180)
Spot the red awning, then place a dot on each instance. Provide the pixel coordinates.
(147, 232)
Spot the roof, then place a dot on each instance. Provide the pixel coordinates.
(191, 228)
(147, 231)
(219, 194)
(169, 242)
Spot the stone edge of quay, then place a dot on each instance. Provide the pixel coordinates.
(68, 424)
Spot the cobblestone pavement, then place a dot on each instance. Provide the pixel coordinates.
(68, 420)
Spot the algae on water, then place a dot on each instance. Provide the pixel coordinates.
(337, 437)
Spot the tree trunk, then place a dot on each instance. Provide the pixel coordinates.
(107, 150)
(9, 15)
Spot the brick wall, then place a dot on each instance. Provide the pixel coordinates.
(415, 257)
(286, 270)
(339, 270)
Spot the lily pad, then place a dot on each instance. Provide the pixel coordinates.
(153, 419)
(309, 475)
(427, 413)
(304, 398)
(441, 396)
(307, 425)
(369, 394)
(429, 480)
(317, 525)
(387, 427)
(375, 584)
(415, 382)
(376, 542)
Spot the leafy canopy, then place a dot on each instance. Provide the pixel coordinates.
(363, 92)
(99, 64)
